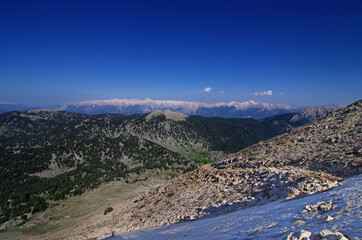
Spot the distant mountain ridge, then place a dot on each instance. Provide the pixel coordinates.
(7, 107)
(232, 109)
(289, 121)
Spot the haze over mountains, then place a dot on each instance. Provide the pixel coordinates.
(250, 108)
(7, 107)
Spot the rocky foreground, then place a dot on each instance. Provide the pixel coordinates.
(334, 214)
(310, 159)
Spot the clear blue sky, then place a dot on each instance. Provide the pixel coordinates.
(294, 52)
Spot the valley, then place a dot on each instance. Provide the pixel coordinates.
(47, 156)
(69, 212)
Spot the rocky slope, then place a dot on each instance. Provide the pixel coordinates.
(326, 215)
(310, 159)
(331, 144)
(206, 191)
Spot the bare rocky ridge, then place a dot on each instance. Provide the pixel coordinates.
(310, 159)
(331, 144)
(311, 113)
(289, 121)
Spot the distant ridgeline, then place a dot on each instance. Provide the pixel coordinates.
(48, 155)
(233, 109)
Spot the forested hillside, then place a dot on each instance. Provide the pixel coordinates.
(50, 155)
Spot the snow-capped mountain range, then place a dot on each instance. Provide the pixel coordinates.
(233, 109)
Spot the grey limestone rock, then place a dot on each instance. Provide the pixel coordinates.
(329, 235)
(323, 235)
(323, 206)
(329, 219)
(302, 235)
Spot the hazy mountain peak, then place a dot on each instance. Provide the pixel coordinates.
(312, 113)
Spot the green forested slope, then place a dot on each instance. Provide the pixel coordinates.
(49, 155)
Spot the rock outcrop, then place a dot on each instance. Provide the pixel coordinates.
(323, 235)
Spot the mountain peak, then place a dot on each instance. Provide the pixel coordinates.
(311, 113)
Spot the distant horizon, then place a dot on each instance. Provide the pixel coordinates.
(298, 53)
(56, 106)
(40, 105)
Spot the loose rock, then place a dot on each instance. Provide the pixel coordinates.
(302, 235)
(329, 218)
(328, 235)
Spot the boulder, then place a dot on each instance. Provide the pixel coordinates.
(302, 235)
(329, 235)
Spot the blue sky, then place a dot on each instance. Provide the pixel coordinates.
(292, 52)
